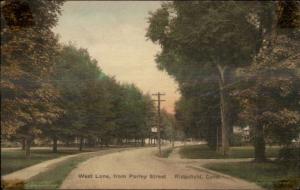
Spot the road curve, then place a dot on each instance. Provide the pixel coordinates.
(141, 169)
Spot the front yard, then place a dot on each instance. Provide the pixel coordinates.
(270, 175)
(203, 152)
(13, 160)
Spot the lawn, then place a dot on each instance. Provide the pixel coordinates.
(263, 174)
(165, 152)
(14, 160)
(203, 151)
(54, 177)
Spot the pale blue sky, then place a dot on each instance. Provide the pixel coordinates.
(114, 34)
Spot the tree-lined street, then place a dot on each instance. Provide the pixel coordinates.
(141, 169)
(220, 77)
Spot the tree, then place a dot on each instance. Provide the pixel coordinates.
(270, 101)
(96, 106)
(197, 37)
(84, 96)
(28, 47)
(188, 110)
(168, 124)
(134, 114)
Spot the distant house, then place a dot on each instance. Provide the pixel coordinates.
(297, 140)
(243, 131)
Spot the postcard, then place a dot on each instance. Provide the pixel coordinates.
(150, 95)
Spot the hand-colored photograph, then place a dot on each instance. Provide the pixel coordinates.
(201, 95)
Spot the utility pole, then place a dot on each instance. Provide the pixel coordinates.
(217, 139)
(173, 136)
(159, 100)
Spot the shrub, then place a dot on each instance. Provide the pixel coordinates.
(290, 156)
(287, 184)
(236, 140)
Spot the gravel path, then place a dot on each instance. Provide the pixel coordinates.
(140, 169)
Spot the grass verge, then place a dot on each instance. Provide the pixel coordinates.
(14, 160)
(54, 177)
(204, 152)
(270, 175)
(165, 152)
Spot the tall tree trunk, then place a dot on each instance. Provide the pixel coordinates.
(23, 143)
(80, 143)
(173, 138)
(67, 143)
(269, 37)
(223, 110)
(54, 145)
(259, 144)
(28, 142)
(120, 141)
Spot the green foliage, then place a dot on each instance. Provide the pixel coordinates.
(270, 94)
(168, 130)
(28, 48)
(58, 91)
(287, 183)
(82, 94)
(236, 140)
(134, 113)
(256, 77)
(197, 34)
(196, 40)
(96, 106)
(290, 156)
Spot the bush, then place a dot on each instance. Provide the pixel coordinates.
(287, 184)
(236, 140)
(165, 153)
(290, 156)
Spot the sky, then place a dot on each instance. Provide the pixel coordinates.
(114, 35)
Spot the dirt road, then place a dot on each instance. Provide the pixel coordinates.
(141, 169)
